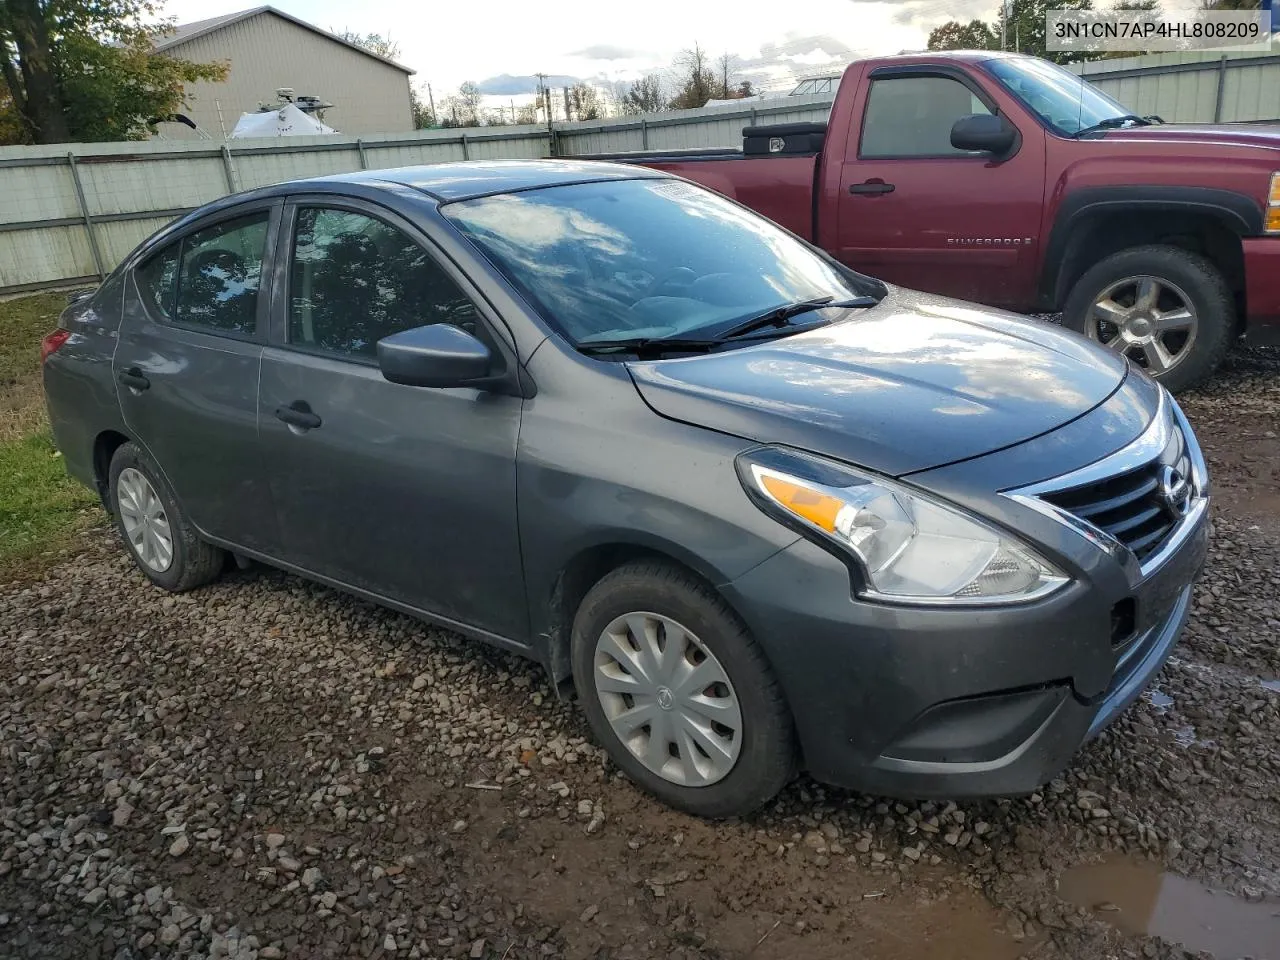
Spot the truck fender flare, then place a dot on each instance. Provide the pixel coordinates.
(1237, 212)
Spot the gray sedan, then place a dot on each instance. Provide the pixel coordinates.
(764, 513)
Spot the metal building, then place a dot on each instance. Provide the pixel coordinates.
(267, 50)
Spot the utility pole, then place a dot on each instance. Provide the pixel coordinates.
(1004, 25)
(541, 96)
(513, 110)
(434, 119)
(565, 91)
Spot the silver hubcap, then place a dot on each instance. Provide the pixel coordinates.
(1149, 320)
(668, 699)
(144, 520)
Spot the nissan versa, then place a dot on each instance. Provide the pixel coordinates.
(763, 512)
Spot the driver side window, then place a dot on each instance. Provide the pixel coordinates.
(913, 117)
(354, 280)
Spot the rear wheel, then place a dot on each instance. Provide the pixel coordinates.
(1168, 310)
(678, 693)
(156, 532)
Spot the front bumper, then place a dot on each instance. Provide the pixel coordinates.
(921, 702)
(985, 701)
(1262, 289)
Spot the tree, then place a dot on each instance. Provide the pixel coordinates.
(375, 43)
(584, 100)
(726, 68)
(528, 114)
(1211, 5)
(745, 89)
(423, 118)
(645, 96)
(88, 70)
(1025, 29)
(470, 98)
(954, 35)
(695, 82)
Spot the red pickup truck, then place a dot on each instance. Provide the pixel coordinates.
(1006, 180)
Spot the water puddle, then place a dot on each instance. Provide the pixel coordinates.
(1272, 685)
(1139, 898)
(1157, 699)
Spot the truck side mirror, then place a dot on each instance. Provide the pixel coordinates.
(984, 133)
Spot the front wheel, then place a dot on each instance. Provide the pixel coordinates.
(678, 693)
(1168, 310)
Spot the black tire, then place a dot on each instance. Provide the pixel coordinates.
(1196, 276)
(194, 561)
(766, 759)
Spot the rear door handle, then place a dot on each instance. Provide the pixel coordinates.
(298, 415)
(872, 187)
(133, 379)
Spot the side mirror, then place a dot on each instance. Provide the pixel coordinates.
(985, 133)
(438, 355)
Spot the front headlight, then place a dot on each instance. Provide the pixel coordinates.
(910, 548)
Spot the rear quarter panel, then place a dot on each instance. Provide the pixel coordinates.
(78, 387)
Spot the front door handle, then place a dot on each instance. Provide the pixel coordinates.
(298, 415)
(872, 187)
(132, 378)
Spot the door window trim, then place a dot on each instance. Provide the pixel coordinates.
(282, 295)
(942, 72)
(274, 208)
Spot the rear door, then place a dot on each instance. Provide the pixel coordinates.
(404, 492)
(915, 211)
(187, 365)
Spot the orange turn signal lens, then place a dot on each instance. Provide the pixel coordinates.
(818, 508)
(1272, 224)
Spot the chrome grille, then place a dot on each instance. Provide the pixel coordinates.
(1129, 507)
(1141, 498)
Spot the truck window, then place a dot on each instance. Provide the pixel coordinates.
(913, 116)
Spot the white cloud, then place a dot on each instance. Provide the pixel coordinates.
(451, 42)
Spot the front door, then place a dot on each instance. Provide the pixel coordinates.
(915, 211)
(404, 492)
(186, 371)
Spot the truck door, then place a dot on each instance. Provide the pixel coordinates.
(915, 211)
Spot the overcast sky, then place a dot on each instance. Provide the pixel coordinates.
(776, 40)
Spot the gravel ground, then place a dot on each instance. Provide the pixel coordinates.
(266, 768)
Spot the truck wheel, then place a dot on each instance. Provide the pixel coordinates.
(162, 541)
(1168, 310)
(678, 693)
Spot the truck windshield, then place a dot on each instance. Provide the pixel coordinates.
(647, 258)
(1066, 102)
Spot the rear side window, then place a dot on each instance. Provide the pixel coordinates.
(219, 274)
(913, 117)
(355, 280)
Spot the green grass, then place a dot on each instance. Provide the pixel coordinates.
(41, 508)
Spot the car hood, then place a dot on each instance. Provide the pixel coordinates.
(1244, 135)
(916, 382)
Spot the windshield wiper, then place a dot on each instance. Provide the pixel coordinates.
(1112, 122)
(646, 345)
(779, 316)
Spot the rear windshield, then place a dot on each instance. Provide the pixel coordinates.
(645, 258)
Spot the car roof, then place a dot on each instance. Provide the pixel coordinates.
(476, 178)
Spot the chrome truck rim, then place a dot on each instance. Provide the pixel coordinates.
(1149, 320)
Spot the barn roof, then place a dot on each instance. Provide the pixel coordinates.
(186, 32)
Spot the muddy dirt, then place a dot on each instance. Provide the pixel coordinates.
(269, 769)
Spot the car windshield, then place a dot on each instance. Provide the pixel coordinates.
(1063, 100)
(646, 258)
